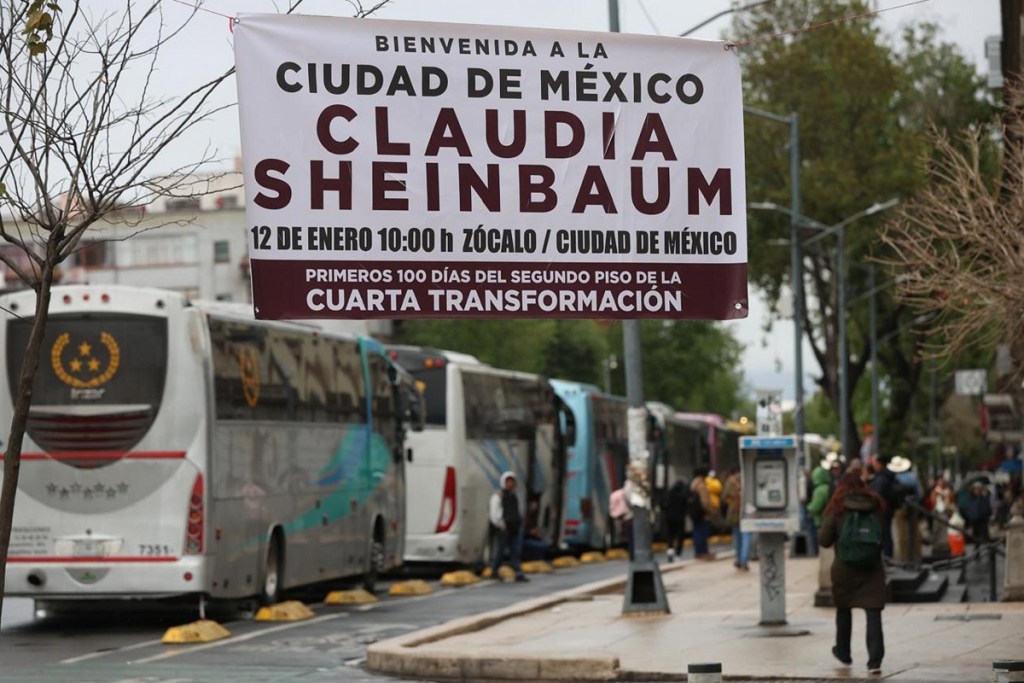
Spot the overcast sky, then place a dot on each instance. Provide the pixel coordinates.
(768, 362)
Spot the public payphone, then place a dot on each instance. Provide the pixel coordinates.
(770, 484)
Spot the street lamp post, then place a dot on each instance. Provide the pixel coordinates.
(827, 231)
(873, 331)
(610, 363)
(796, 263)
(645, 591)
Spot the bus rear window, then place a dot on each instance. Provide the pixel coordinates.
(429, 371)
(432, 383)
(100, 380)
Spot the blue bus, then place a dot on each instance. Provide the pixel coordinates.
(596, 462)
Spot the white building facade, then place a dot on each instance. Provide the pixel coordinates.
(195, 244)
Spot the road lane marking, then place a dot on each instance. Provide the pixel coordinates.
(103, 653)
(249, 636)
(238, 639)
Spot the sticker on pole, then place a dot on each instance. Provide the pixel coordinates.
(406, 169)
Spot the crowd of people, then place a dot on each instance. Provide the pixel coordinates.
(863, 508)
(915, 507)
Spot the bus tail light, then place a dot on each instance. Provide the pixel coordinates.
(196, 519)
(447, 516)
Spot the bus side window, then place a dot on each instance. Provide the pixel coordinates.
(568, 424)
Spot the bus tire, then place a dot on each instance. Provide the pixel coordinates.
(273, 571)
(375, 559)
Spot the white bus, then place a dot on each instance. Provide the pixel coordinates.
(178, 448)
(480, 422)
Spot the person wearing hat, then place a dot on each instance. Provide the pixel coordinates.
(907, 538)
(885, 485)
(507, 527)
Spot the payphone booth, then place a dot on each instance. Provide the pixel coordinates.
(771, 478)
(771, 509)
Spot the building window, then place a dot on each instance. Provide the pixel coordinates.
(182, 204)
(221, 251)
(92, 254)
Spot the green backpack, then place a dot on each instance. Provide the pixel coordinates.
(860, 541)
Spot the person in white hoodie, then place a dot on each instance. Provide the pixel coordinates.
(507, 527)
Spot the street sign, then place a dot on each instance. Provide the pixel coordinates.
(401, 169)
(971, 382)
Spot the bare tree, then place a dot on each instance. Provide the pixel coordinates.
(82, 125)
(959, 245)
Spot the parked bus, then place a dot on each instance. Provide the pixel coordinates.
(679, 447)
(596, 462)
(184, 448)
(480, 421)
(720, 442)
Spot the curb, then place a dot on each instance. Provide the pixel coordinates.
(398, 656)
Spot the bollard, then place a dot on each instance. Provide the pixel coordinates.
(704, 673)
(1007, 671)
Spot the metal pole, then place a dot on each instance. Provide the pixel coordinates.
(932, 417)
(645, 591)
(873, 324)
(798, 279)
(844, 408)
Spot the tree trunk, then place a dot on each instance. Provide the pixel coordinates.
(19, 421)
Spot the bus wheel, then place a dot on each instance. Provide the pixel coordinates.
(375, 562)
(272, 572)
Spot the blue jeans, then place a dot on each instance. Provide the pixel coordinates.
(701, 534)
(512, 543)
(741, 544)
(812, 537)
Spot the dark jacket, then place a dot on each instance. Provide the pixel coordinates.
(853, 587)
(885, 484)
(677, 501)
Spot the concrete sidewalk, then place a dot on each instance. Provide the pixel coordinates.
(581, 635)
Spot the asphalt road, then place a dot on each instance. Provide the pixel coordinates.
(108, 645)
(105, 645)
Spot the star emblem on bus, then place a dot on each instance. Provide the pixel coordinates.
(89, 366)
(249, 367)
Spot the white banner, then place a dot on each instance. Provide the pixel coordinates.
(422, 169)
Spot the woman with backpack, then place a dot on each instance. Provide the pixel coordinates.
(853, 522)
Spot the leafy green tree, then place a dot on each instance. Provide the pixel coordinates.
(865, 104)
(512, 344)
(575, 349)
(692, 365)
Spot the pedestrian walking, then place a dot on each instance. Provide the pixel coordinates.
(821, 491)
(884, 483)
(622, 514)
(741, 540)
(507, 527)
(714, 486)
(852, 523)
(675, 517)
(702, 513)
(979, 512)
